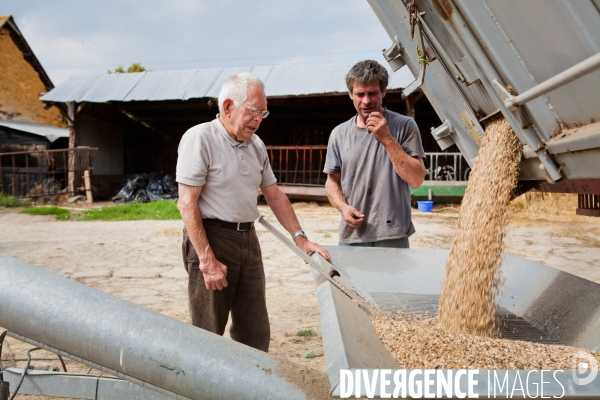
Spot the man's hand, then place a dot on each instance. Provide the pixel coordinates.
(352, 217)
(309, 247)
(377, 125)
(214, 274)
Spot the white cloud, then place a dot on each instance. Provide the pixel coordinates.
(294, 60)
(82, 37)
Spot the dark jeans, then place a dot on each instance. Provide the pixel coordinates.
(401, 243)
(244, 295)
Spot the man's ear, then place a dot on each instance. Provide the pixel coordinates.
(383, 94)
(226, 106)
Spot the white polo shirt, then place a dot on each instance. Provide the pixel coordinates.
(230, 172)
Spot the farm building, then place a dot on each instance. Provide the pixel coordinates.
(28, 127)
(18, 136)
(137, 119)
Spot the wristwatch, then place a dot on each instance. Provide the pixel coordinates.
(299, 233)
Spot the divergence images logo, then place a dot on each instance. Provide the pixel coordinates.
(584, 364)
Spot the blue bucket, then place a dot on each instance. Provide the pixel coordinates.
(425, 206)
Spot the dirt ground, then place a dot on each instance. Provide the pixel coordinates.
(140, 261)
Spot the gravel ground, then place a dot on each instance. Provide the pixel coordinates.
(141, 262)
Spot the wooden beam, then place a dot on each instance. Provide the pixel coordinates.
(174, 118)
(192, 104)
(410, 107)
(88, 186)
(71, 113)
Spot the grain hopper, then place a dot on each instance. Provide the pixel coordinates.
(559, 309)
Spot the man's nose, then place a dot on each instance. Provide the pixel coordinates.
(366, 99)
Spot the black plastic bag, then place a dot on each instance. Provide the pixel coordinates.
(146, 187)
(170, 187)
(128, 188)
(154, 189)
(141, 195)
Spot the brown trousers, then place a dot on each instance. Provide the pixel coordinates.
(244, 296)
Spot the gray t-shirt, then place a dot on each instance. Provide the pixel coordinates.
(369, 181)
(230, 172)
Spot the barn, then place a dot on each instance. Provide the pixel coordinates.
(137, 119)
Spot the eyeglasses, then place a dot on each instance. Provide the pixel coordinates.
(254, 111)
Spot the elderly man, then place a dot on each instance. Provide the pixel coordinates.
(372, 159)
(220, 168)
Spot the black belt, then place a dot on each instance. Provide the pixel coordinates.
(236, 226)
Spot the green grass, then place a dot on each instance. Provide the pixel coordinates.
(60, 213)
(158, 210)
(9, 201)
(306, 332)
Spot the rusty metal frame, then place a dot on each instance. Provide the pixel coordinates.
(588, 204)
(49, 176)
(311, 158)
(308, 161)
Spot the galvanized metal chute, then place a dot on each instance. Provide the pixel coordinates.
(137, 344)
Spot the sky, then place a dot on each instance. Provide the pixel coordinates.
(82, 37)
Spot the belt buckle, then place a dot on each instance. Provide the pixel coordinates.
(238, 227)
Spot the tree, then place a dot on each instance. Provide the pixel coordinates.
(135, 67)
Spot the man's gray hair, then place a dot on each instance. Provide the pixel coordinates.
(236, 88)
(367, 72)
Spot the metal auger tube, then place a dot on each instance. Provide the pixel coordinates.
(140, 345)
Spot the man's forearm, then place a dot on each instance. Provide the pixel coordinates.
(335, 194)
(283, 210)
(410, 169)
(192, 220)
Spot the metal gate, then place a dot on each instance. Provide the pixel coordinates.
(303, 165)
(43, 173)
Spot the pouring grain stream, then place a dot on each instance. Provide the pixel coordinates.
(471, 283)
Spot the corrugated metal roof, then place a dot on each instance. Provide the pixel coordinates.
(400, 79)
(280, 80)
(112, 86)
(49, 132)
(311, 79)
(225, 73)
(72, 89)
(201, 83)
(161, 85)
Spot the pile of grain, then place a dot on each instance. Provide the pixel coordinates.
(467, 302)
(423, 344)
(538, 205)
